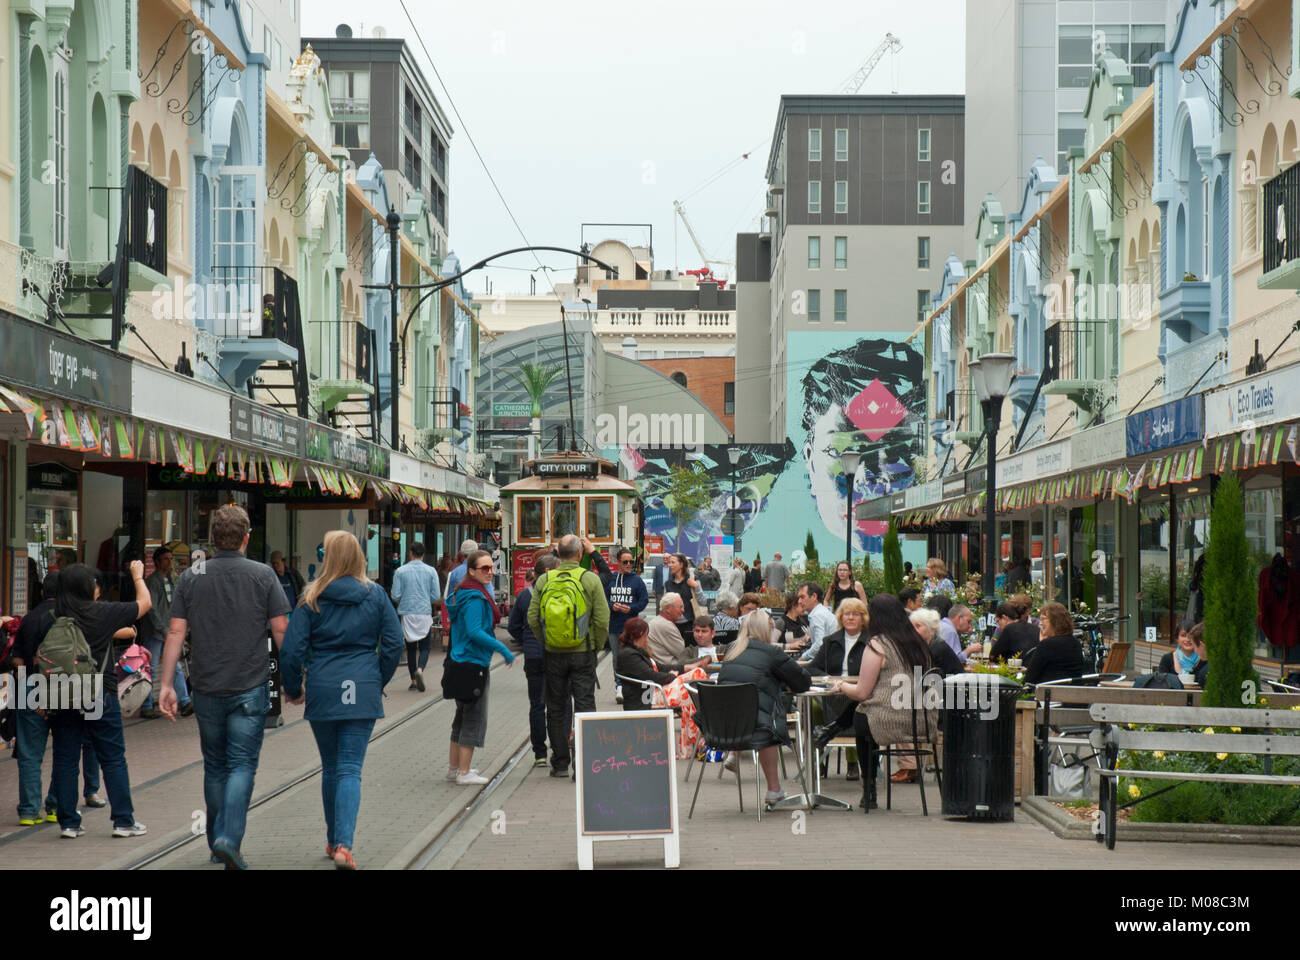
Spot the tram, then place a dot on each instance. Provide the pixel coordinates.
(567, 493)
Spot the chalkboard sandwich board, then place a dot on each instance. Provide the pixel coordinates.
(627, 787)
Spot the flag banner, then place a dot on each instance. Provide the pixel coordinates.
(16, 402)
(200, 457)
(123, 431)
(1234, 458)
(1197, 471)
(66, 425)
(239, 464)
(89, 435)
(1164, 471)
(220, 454)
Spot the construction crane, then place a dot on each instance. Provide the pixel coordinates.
(854, 83)
(707, 273)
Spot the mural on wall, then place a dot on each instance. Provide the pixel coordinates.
(843, 391)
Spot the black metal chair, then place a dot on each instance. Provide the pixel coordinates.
(725, 714)
(922, 745)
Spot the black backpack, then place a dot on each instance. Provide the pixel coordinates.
(1158, 681)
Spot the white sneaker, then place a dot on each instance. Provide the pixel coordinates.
(732, 763)
(618, 694)
(71, 833)
(134, 830)
(471, 777)
(452, 773)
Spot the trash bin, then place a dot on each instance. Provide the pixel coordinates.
(979, 735)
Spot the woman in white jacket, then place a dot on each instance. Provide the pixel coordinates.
(734, 582)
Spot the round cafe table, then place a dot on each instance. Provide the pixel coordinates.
(811, 799)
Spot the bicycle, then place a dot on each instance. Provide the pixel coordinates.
(1088, 630)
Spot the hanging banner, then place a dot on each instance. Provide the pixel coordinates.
(1168, 425)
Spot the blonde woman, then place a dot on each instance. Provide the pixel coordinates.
(936, 579)
(840, 655)
(753, 659)
(341, 620)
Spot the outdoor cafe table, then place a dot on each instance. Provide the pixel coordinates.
(815, 798)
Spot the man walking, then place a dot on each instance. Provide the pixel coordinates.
(570, 614)
(775, 574)
(416, 592)
(162, 584)
(534, 658)
(458, 572)
(226, 604)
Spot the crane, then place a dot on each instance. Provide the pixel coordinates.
(706, 273)
(854, 83)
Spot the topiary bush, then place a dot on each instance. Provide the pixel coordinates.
(893, 559)
(1230, 604)
(810, 548)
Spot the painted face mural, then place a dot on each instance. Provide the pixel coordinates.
(843, 391)
(867, 397)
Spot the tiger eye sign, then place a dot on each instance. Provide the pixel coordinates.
(627, 788)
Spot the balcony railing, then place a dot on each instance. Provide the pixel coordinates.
(343, 351)
(667, 321)
(350, 105)
(1083, 346)
(252, 303)
(1281, 214)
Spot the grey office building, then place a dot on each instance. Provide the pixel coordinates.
(1028, 66)
(383, 105)
(864, 205)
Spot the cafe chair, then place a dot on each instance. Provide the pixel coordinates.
(922, 745)
(629, 683)
(1277, 686)
(1117, 657)
(725, 715)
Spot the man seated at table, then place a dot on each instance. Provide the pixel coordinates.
(666, 645)
(1015, 636)
(1059, 655)
(954, 621)
(704, 642)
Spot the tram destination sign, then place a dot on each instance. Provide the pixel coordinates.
(567, 468)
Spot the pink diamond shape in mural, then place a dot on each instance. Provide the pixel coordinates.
(875, 410)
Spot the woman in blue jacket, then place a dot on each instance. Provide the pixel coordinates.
(341, 620)
(474, 616)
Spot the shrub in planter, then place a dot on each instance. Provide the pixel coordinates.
(1230, 599)
(893, 563)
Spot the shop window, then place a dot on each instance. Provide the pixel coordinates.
(600, 518)
(1192, 531)
(532, 519)
(1153, 552)
(564, 517)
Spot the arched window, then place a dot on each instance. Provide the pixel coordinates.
(680, 377)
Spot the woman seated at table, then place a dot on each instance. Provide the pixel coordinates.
(1015, 637)
(1060, 655)
(752, 659)
(840, 655)
(895, 650)
(635, 663)
(1186, 658)
(926, 622)
(793, 633)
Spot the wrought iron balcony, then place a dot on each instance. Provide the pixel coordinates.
(1083, 372)
(1281, 220)
(255, 310)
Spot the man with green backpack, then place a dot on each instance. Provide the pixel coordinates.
(570, 614)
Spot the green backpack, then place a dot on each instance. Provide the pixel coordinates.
(565, 615)
(64, 651)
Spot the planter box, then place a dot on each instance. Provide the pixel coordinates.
(1024, 749)
(1068, 828)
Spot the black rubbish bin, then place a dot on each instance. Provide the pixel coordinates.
(979, 736)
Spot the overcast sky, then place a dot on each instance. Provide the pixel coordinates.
(585, 116)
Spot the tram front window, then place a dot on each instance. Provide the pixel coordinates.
(532, 519)
(564, 517)
(600, 518)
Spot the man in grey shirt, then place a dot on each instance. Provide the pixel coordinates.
(226, 605)
(775, 574)
(161, 586)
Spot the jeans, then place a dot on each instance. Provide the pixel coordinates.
(535, 672)
(32, 733)
(342, 745)
(71, 731)
(155, 645)
(414, 662)
(567, 675)
(230, 736)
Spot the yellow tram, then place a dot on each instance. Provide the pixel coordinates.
(561, 494)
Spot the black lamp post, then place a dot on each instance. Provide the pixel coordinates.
(849, 461)
(991, 375)
(733, 456)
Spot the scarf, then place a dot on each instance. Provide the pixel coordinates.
(469, 583)
(1186, 663)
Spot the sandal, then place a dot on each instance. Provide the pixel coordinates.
(343, 859)
(329, 851)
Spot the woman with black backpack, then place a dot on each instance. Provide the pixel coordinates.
(100, 623)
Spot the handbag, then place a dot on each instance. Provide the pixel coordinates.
(134, 680)
(463, 682)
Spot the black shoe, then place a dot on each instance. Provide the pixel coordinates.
(868, 801)
(559, 772)
(229, 856)
(824, 735)
(187, 709)
(419, 680)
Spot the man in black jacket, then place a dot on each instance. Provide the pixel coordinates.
(534, 658)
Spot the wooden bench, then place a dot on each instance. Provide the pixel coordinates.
(1113, 736)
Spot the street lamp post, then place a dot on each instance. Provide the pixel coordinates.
(733, 455)
(849, 461)
(991, 375)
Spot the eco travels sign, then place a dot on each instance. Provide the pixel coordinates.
(1268, 398)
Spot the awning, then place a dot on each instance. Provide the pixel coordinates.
(1243, 9)
(279, 110)
(1136, 111)
(997, 253)
(181, 10)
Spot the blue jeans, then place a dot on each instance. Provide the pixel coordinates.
(342, 745)
(535, 672)
(155, 645)
(32, 734)
(230, 737)
(72, 732)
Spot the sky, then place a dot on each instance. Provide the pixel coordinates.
(609, 113)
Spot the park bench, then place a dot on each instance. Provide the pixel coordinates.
(1113, 735)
